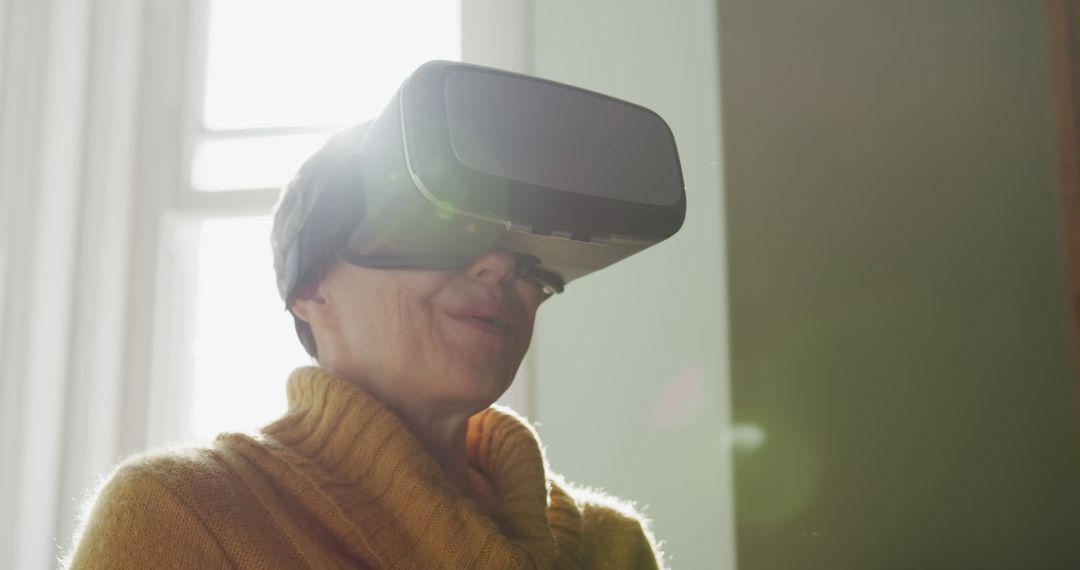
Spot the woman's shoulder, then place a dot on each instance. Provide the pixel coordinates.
(209, 479)
(188, 478)
(173, 470)
(191, 507)
(143, 511)
(615, 531)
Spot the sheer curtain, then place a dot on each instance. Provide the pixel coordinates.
(67, 180)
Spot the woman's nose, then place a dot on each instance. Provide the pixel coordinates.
(492, 267)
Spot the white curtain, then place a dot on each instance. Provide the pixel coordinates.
(69, 168)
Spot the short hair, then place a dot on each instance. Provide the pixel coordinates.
(295, 205)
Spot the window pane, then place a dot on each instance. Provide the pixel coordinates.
(243, 163)
(277, 63)
(244, 345)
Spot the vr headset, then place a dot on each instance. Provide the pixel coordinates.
(468, 159)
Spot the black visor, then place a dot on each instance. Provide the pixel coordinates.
(468, 159)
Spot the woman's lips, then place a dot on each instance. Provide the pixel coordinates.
(485, 326)
(489, 317)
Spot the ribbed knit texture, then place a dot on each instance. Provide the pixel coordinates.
(340, 481)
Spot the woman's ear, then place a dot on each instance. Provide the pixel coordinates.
(311, 305)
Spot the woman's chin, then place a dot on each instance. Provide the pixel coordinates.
(481, 385)
(488, 366)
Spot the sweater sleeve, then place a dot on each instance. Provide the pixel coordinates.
(617, 537)
(138, 522)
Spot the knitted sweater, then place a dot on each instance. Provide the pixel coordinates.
(340, 482)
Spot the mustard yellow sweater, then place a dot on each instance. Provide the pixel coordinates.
(339, 482)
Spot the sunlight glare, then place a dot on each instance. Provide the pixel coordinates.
(251, 162)
(280, 63)
(244, 345)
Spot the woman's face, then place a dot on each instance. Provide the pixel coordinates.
(443, 337)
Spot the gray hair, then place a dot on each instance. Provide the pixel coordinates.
(294, 208)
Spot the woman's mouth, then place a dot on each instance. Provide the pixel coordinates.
(485, 325)
(491, 318)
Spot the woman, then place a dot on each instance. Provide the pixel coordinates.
(390, 454)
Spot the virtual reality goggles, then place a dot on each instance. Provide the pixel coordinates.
(468, 159)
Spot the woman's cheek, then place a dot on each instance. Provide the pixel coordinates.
(530, 297)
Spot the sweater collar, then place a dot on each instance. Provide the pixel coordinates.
(353, 440)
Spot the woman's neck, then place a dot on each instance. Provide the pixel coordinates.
(444, 436)
(443, 432)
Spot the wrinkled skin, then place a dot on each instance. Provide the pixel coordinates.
(424, 343)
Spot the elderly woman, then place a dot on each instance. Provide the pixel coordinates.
(391, 454)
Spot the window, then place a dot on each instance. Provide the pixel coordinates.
(270, 81)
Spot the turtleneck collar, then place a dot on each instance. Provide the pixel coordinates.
(350, 447)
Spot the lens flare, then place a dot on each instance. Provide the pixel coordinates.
(445, 211)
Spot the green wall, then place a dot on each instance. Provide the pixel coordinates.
(631, 363)
(898, 306)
